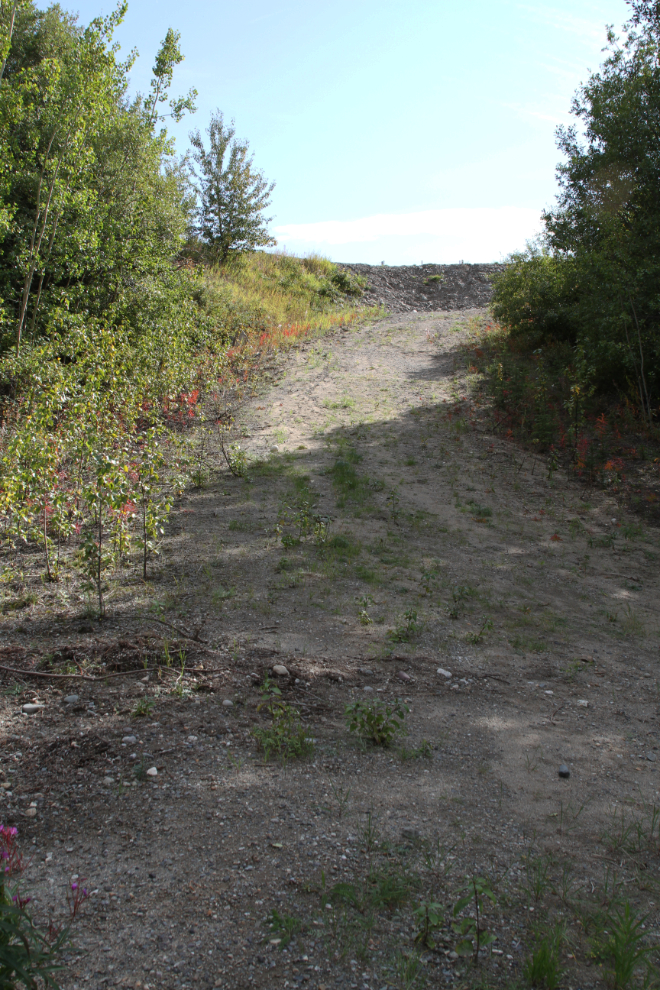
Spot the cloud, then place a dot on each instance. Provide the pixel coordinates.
(471, 234)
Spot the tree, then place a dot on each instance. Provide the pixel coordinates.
(232, 194)
(596, 286)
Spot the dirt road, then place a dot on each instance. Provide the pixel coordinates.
(385, 545)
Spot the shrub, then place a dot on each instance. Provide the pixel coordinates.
(376, 721)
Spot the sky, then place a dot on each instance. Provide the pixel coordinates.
(403, 131)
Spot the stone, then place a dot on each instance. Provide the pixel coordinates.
(31, 812)
(108, 780)
(564, 771)
(402, 676)
(228, 703)
(583, 703)
(280, 670)
(32, 709)
(152, 772)
(71, 699)
(650, 757)
(444, 673)
(129, 740)
(368, 689)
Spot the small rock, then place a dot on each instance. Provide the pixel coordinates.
(650, 757)
(444, 673)
(410, 833)
(280, 670)
(108, 780)
(548, 692)
(402, 676)
(368, 689)
(71, 699)
(31, 812)
(228, 703)
(582, 703)
(564, 771)
(192, 739)
(453, 955)
(32, 709)
(129, 740)
(152, 772)
(365, 671)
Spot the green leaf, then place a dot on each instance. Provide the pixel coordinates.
(464, 947)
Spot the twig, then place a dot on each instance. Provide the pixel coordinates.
(170, 625)
(85, 677)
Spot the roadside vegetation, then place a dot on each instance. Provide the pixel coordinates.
(133, 298)
(577, 370)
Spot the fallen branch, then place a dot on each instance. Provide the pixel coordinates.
(87, 677)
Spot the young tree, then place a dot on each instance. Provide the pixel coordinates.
(233, 195)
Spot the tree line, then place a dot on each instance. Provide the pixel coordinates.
(588, 291)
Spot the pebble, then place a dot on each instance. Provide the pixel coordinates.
(152, 772)
(582, 703)
(129, 739)
(368, 689)
(71, 699)
(402, 676)
(280, 670)
(444, 673)
(650, 757)
(564, 771)
(32, 709)
(228, 703)
(108, 780)
(31, 812)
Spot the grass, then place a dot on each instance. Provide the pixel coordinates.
(263, 289)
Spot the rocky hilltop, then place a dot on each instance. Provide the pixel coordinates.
(425, 288)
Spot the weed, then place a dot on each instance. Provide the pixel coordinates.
(377, 721)
(393, 505)
(624, 949)
(537, 872)
(429, 916)
(286, 736)
(407, 630)
(543, 968)
(473, 936)
(423, 751)
(341, 795)
(478, 636)
(408, 970)
(142, 708)
(284, 927)
(235, 458)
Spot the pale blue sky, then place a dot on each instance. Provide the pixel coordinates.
(395, 130)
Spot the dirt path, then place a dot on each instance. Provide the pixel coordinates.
(382, 533)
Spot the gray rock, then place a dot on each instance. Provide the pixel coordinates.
(129, 740)
(368, 689)
(564, 771)
(650, 757)
(32, 709)
(227, 703)
(444, 673)
(280, 670)
(71, 699)
(402, 676)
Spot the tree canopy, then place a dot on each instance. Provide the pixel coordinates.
(232, 194)
(595, 284)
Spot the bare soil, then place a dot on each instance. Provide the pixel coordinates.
(383, 532)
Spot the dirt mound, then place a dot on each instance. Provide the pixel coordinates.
(427, 288)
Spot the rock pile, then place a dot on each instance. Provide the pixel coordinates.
(427, 288)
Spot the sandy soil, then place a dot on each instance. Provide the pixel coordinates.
(382, 533)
